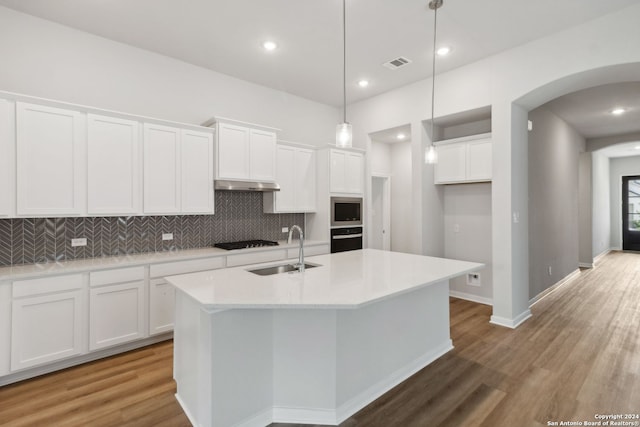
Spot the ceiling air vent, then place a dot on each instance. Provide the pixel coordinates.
(394, 64)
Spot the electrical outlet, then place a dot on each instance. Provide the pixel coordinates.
(285, 229)
(473, 279)
(78, 242)
(167, 236)
(549, 270)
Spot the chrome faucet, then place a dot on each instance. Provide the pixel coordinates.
(300, 264)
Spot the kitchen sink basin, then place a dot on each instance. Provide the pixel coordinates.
(278, 269)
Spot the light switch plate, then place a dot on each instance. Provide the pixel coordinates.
(285, 229)
(167, 236)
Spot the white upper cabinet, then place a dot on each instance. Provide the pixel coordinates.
(6, 158)
(178, 170)
(262, 160)
(245, 153)
(50, 161)
(233, 152)
(161, 169)
(296, 175)
(346, 170)
(466, 159)
(197, 172)
(113, 166)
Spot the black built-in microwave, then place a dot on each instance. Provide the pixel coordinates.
(346, 211)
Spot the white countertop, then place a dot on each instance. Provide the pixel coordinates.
(104, 263)
(343, 280)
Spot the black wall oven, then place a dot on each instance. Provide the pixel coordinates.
(346, 211)
(346, 239)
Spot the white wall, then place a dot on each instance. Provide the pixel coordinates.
(47, 60)
(467, 236)
(619, 167)
(380, 155)
(554, 150)
(512, 83)
(600, 203)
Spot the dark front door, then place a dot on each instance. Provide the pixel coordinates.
(631, 213)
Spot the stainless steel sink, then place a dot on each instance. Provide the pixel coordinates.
(282, 268)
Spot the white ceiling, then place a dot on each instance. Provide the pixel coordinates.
(589, 112)
(390, 136)
(226, 36)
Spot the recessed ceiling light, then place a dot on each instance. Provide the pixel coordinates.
(618, 111)
(269, 45)
(443, 51)
(637, 147)
(363, 83)
(401, 136)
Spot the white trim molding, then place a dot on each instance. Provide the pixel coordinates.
(568, 278)
(471, 297)
(511, 323)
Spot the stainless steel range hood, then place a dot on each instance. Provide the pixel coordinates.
(222, 184)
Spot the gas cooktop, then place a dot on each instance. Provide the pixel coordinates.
(245, 244)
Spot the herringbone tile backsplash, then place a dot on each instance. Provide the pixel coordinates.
(238, 216)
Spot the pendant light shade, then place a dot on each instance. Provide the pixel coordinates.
(431, 155)
(344, 133)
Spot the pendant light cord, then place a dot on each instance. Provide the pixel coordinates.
(344, 60)
(433, 70)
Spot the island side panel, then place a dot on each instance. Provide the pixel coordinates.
(384, 343)
(223, 364)
(304, 343)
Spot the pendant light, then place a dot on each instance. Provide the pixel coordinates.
(344, 133)
(431, 155)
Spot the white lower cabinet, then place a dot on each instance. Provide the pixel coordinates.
(161, 306)
(116, 311)
(162, 294)
(5, 328)
(47, 320)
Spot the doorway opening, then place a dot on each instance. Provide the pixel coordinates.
(631, 213)
(381, 212)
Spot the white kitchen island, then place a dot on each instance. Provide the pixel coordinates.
(312, 347)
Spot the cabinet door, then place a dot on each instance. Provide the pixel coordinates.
(354, 173)
(197, 172)
(116, 314)
(451, 165)
(161, 169)
(113, 168)
(50, 156)
(161, 306)
(305, 180)
(262, 155)
(337, 171)
(286, 178)
(46, 328)
(479, 164)
(6, 158)
(233, 152)
(5, 328)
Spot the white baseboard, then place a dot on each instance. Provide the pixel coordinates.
(186, 411)
(585, 264)
(511, 323)
(471, 297)
(568, 278)
(261, 419)
(353, 405)
(603, 254)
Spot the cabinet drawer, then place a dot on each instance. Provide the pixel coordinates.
(182, 267)
(120, 275)
(255, 257)
(309, 251)
(44, 285)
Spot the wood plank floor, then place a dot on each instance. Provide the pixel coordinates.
(578, 356)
